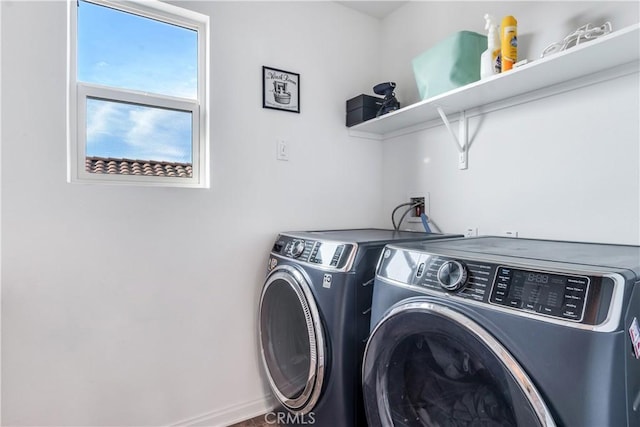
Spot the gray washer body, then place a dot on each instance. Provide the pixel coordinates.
(587, 374)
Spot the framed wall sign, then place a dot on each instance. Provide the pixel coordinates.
(280, 90)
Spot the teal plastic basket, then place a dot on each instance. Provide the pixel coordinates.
(453, 62)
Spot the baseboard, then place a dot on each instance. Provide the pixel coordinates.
(230, 415)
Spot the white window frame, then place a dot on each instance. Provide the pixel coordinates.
(79, 92)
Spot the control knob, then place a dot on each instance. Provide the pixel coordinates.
(452, 275)
(297, 249)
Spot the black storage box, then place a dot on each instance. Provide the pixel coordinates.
(362, 108)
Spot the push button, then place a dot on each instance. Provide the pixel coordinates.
(500, 293)
(420, 270)
(570, 311)
(515, 303)
(546, 310)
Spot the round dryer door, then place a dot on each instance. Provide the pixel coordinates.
(429, 365)
(292, 339)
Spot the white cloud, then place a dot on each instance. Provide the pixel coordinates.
(103, 119)
(131, 131)
(160, 134)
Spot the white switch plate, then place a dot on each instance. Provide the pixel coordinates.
(282, 148)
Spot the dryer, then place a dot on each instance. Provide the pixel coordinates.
(505, 332)
(314, 318)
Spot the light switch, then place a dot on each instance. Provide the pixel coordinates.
(283, 150)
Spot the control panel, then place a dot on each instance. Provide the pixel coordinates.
(321, 253)
(467, 279)
(572, 297)
(556, 295)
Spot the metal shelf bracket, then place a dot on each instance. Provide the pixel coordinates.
(461, 140)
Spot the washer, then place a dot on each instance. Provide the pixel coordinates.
(504, 332)
(314, 318)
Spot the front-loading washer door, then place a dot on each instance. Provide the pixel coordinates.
(292, 339)
(428, 365)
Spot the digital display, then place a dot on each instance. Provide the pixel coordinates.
(556, 295)
(537, 288)
(325, 253)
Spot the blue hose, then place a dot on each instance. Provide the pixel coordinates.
(425, 222)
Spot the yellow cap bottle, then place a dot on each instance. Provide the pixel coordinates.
(509, 42)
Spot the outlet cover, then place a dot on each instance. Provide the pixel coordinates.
(471, 232)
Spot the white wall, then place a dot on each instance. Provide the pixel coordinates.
(562, 167)
(137, 306)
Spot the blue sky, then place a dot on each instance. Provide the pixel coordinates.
(127, 51)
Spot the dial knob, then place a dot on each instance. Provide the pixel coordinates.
(298, 248)
(452, 275)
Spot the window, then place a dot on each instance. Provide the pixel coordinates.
(138, 87)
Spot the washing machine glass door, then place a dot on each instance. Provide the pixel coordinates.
(426, 364)
(292, 339)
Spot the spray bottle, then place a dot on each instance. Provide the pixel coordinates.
(490, 61)
(509, 38)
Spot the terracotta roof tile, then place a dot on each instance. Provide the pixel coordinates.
(108, 165)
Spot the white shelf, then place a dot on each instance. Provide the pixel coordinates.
(615, 53)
